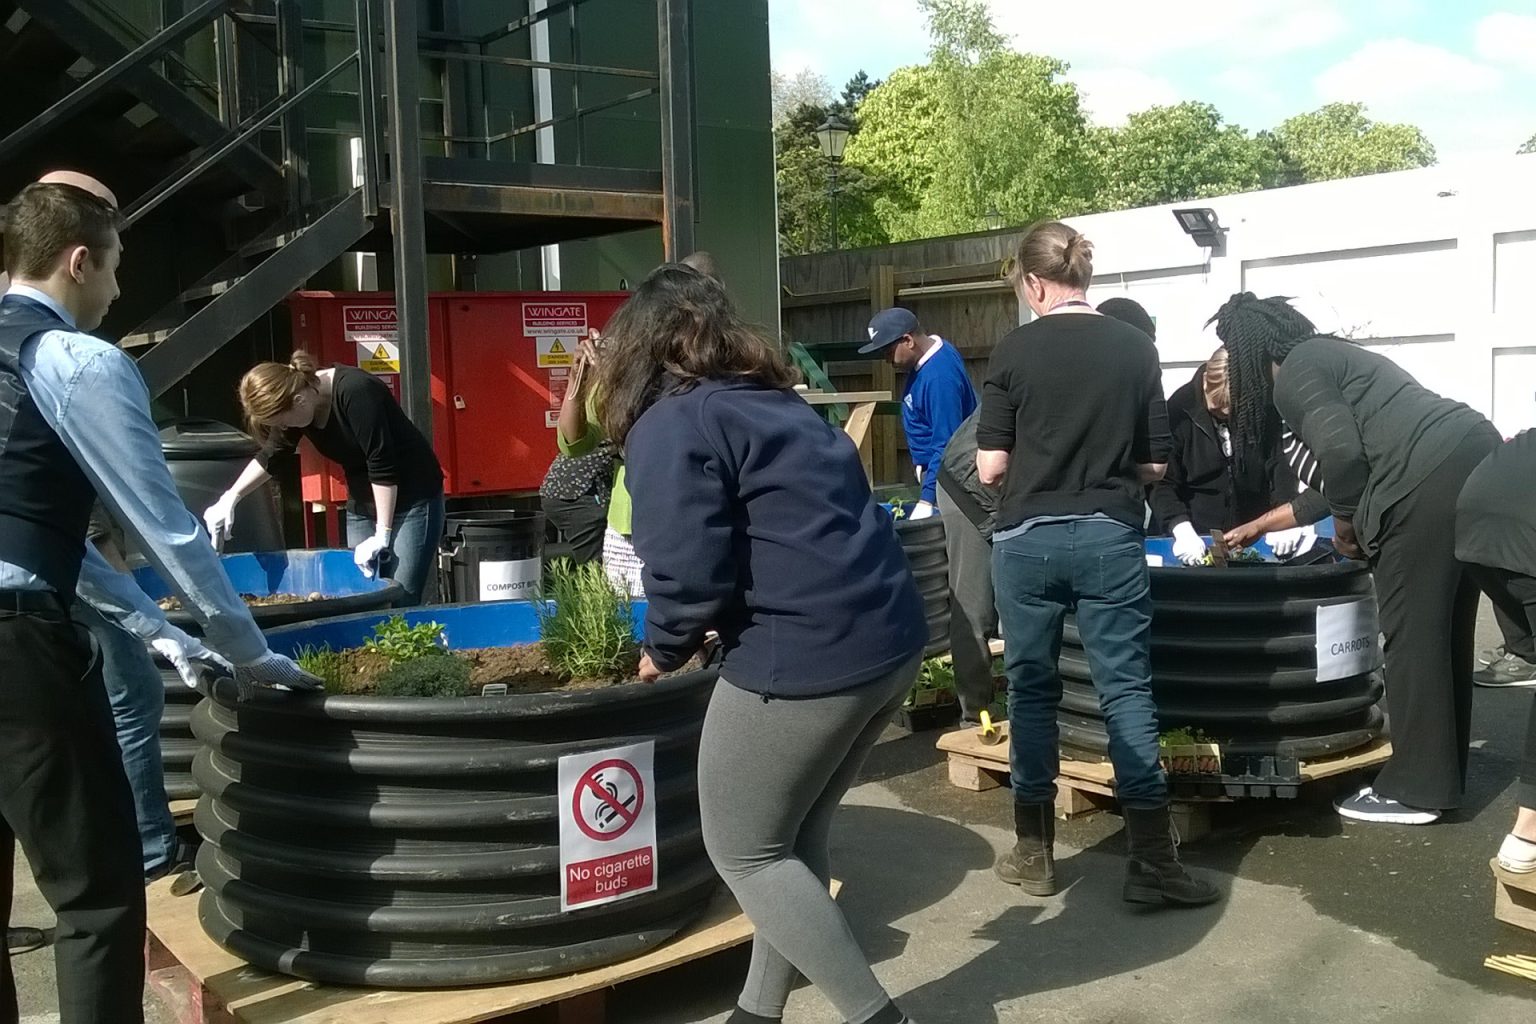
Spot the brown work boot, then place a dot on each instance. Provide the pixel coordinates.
(1154, 874)
(1031, 864)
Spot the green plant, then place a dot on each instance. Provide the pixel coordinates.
(585, 625)
(400, 642)
(936, 676)
(425, 677)
(329, 665)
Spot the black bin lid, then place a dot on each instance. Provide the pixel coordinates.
(189, 440)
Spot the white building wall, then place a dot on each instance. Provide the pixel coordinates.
(1434, 268)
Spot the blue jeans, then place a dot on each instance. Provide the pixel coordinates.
(418, 532)
(1097, 568)
(137, 695)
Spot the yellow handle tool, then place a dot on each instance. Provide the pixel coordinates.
(988, 732)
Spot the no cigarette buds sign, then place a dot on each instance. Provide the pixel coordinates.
(607, 806)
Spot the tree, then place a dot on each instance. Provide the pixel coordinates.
(791, 92)
(1339, 141)
(805, 214)
(1529, 147)
(978, 126)
(1171, 154)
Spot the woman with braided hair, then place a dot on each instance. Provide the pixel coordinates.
(1393, 457)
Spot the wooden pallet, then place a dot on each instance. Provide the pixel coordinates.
(1514, 900)
(181, 811)
(1087, 787)
(202, 983)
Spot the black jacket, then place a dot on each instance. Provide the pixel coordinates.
(958, 477)
(1202, 486)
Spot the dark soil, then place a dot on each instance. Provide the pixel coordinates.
(173, 604)
(523, 669)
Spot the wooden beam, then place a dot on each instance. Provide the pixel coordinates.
(882, 295)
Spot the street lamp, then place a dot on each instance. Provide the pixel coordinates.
(994, 219)
(832, 137)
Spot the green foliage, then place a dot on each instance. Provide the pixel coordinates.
(446, 676)
(329, 665)
(1177, 153)
(1529, 147)
(400, 642)
(1339, 141)
(981, 127)
(586, 626)
(936, 674)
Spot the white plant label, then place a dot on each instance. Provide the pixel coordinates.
(1348, 639)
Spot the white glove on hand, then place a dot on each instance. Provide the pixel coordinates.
(367, 553)
(923, 510)
(1188, 546)
(220, 518)
(1289, 543)
(276, 672)
(187, 654)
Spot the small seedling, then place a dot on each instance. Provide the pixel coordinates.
(329, 665)
(400, 642)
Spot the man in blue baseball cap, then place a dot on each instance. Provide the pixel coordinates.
(938, 395)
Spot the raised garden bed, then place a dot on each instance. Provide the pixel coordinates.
(413, 842)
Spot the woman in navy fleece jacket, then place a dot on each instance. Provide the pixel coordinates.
(754, 519)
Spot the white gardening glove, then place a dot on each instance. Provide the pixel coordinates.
(187, 654)
(220, 518)
(1289, 543)
(367, 553)
(922, 510)
(276, 672)
(1188, 546)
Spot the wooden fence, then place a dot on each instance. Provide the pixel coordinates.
(953, 285)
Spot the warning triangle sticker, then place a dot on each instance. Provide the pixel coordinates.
(557, 349)
(381, 353)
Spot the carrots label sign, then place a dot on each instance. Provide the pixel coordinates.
(1348, 640)
(607, 803)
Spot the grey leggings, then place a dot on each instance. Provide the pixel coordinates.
(771, 774)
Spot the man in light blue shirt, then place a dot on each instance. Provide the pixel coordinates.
(74, 416)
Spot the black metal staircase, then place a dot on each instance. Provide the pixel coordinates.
(200, 119)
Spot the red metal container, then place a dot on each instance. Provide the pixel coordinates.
(500, 363)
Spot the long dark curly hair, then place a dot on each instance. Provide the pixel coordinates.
(677, 329)
(1257, 333)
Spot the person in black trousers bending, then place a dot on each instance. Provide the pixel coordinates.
(1073, 427)
(1393, 456)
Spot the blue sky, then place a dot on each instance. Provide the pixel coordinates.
(1463, 70)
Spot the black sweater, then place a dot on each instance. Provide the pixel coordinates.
(754, 518)
(1376, 432)
(1077, 401)
(369, 435)
(1205, 488)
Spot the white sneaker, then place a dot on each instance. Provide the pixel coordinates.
(1517, 856)
(1369, 805)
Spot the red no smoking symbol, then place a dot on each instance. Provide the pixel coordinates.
(608, 800)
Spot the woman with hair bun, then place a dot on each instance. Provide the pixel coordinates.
(395, 512)
(1073, 428)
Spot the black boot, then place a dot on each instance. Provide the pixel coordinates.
(1154, 874)
(1031, 864)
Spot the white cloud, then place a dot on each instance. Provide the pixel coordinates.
(1133, 32)
(1508, 39)
(1387, 72)
(1111, 95)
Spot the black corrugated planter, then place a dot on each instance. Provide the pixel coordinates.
(1234, 656)
(331, 573)
(414, 842)
(923, 542)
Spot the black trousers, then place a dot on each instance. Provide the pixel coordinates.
(65, 796)
(1428, 607)
(1518, 638)
(581, 522)
(1514, 595)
